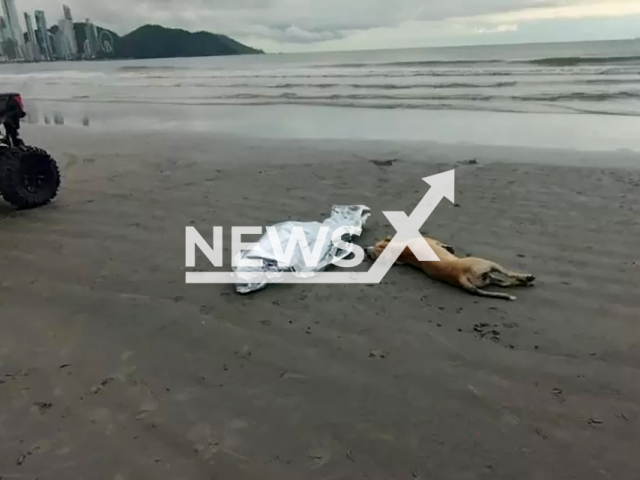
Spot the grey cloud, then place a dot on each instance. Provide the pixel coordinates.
(469, 8)
(282, 21)
(295, 34)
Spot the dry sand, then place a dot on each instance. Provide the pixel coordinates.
(112, 368)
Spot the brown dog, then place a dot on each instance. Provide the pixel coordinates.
(471, 274)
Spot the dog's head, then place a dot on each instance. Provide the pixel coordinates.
(376, 250)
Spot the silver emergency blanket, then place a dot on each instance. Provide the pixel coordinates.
(251, 278)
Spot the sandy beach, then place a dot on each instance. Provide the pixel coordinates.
(111, 367)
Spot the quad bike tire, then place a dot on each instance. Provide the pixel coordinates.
(29, 177)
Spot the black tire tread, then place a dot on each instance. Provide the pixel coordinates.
(10, 185)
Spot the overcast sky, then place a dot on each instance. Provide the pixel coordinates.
(303, 25)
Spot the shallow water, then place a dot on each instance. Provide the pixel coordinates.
(588, 77)
(576, 95)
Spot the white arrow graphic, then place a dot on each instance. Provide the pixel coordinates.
(408, 228)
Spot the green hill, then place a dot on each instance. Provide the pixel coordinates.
(155, 41)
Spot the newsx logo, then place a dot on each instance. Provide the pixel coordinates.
(407, 235)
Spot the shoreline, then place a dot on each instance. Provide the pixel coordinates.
(555, 131)
(65, 141)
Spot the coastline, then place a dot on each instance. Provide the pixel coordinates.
(150, 378)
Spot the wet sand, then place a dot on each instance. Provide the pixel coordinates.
(112, 368)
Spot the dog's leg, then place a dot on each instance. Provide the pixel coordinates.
(503, 282)
(520, 278)
(471, 288)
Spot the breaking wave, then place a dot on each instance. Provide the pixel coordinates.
(575, 61)
(385, 86)
(549, 97)
(546, 62)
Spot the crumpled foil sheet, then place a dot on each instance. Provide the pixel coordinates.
(250, 278)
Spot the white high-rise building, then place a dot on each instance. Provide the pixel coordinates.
(91, 33)
(61, 48)
(3, 29)
(43, 31)
(14, 30)
(33, 51)
(67, 13)
(66, 25)
(69, 46)
(3, 39)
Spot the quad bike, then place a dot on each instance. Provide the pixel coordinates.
(29, 176)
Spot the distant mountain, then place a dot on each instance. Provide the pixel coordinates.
(155, 41)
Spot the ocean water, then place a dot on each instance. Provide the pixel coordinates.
(562, 82)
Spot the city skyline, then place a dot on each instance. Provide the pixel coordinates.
(44, 43)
